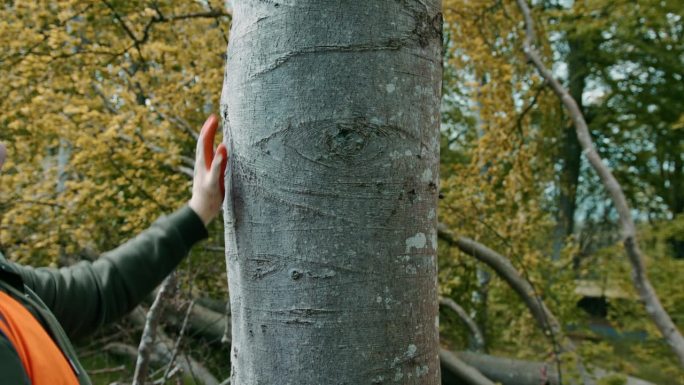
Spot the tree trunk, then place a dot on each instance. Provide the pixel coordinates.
(642, 283)
(570, 153)
(331, 112)
(677, 205)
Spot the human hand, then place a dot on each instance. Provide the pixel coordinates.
(208, 188)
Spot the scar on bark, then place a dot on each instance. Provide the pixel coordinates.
(428, 28)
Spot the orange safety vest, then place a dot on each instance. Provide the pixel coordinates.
(43, 361)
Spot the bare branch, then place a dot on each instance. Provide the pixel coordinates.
(474, 329)
(161, 353)
(647, 293)
(210, 14)
(466, 372)
(150, 330)
(502, 266)
(114, 369)
(498, 369)
(118, 18)
(509, 371)
(159, 18)
(176, 370)
(186, 171)
(167, 372)
(202, 323)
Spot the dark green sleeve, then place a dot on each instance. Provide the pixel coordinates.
(11, 369)
(88, 295)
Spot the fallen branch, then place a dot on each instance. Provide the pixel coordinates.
(202, 323)
(496, 369)
(169, 366)
(115, 369)
(504, 269)
(449, 361)
(509, 371)
(474, 329)
(176, 370)
(647, 293)
(161, 353)
(150, 330)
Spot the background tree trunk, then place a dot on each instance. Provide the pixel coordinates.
(570, 152)
(331, 109)
(640, 279)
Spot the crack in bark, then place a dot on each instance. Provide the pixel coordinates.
(389, 45)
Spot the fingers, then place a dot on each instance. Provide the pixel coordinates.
(218, 168)
(205, 145)
(223, 155)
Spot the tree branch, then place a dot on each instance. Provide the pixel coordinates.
(474, 329)
(497, 369)
(202, 323)
(472, 376)
(647, 293)
(159, 18)
(509, 371)
(150, 330)
(124, 26)
(169, 366)
(160, 352)
(210, 14)
(504, 269)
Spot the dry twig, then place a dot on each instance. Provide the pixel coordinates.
(150, 330)
(167, 372)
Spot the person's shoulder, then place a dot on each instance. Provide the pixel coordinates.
(9, 274)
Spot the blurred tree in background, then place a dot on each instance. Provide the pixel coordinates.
(514, 179)
(101, 101)
(101, 105)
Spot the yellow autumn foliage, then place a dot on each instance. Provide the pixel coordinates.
(496, 195)
(100, 104)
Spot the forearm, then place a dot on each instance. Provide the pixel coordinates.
(87, 295)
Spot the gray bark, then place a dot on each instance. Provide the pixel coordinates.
(331, 112)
